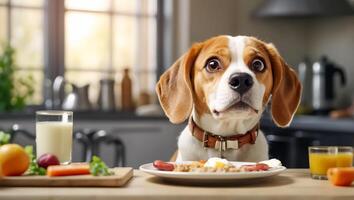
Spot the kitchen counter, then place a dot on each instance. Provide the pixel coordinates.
(292, 184)
(300, 122)
(83, 115)
(323, 124)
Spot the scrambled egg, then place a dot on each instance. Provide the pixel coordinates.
(217, 163)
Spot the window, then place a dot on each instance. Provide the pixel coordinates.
(105, 36)
(99, 39)
(21, 23)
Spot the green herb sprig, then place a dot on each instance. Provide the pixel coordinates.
(99, 168)
(33, 168)
(4, 138)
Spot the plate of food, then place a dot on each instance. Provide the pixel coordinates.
(214, 169)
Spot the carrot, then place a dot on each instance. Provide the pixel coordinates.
(341, 176)
(68, 170)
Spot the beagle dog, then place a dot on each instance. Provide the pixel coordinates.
(223, 85)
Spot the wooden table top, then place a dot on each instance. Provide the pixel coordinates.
(292, 184)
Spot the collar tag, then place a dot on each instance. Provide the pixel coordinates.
(223, 145)
(232, 144)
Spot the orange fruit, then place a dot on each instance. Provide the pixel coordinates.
(14, 161)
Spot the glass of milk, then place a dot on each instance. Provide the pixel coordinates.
(54, 134)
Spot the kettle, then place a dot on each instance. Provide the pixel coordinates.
(323, 82)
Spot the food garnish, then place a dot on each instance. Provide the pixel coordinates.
(33, 168)
(99, 168)
(68, 170)
(47, 159)
(341, 176)
(4, 138)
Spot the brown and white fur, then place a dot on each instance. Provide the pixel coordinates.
(188, 88)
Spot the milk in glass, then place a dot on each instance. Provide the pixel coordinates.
(55, 138)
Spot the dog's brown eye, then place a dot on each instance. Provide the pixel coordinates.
(258, 65)
(213, 65)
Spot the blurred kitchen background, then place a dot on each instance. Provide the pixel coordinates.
(102, 58)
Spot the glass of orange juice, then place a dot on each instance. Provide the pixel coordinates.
(321, 158)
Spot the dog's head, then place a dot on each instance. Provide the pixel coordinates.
(230, 77)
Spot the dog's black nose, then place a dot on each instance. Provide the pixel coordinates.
(240, 82)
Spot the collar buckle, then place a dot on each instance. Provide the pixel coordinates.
(221, 144)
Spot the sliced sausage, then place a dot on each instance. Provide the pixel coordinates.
(164, 166)
(256, 167)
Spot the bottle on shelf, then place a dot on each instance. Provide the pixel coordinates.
(126, 92)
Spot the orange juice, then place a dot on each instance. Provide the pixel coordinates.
(320, 162)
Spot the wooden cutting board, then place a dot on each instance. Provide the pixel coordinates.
(121, 177)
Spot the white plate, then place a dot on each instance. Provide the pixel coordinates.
(212, 176)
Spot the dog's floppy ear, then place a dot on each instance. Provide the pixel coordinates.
(174, 88)
(286, 92)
